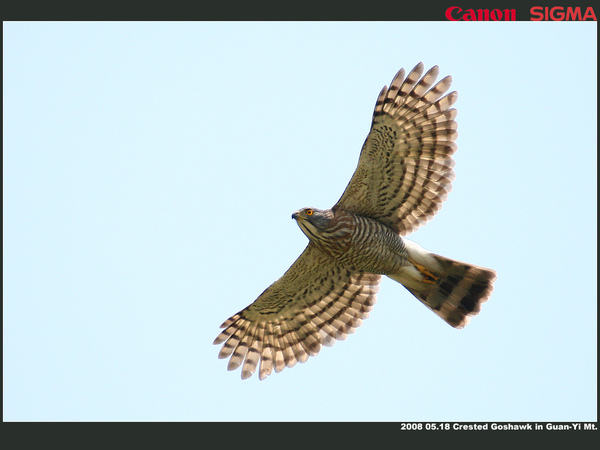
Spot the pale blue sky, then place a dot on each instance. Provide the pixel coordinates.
(150, 171)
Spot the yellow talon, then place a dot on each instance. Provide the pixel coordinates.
(428, 277)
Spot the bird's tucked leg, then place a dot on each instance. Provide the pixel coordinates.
(428, 276)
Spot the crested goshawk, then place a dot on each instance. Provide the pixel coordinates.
(404, 174)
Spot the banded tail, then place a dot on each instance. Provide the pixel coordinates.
(452, 289)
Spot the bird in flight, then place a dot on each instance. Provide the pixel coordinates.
(404, 173)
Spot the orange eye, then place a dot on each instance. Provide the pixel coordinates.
(309, 212)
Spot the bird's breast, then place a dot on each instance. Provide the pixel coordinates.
(361, 243)
(375, 247)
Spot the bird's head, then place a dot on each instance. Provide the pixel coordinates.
(313, 221)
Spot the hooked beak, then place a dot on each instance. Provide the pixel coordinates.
(296, 215)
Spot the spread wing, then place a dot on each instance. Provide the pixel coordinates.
(405, 171)
(314, 303)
